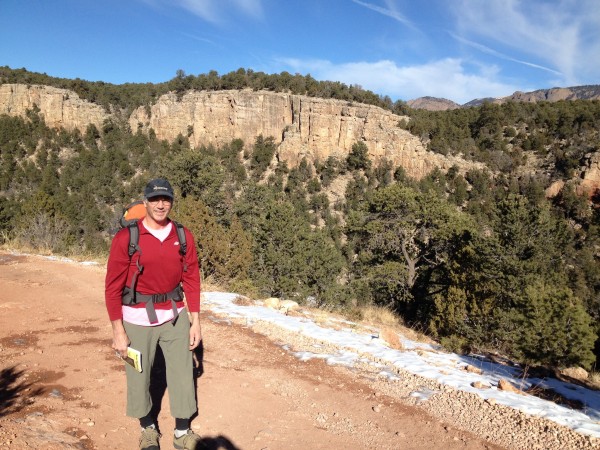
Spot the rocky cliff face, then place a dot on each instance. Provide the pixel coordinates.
(588, 182)
(590, 177)
(59, 107)
(302, 127)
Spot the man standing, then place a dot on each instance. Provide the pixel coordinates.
(145, 305)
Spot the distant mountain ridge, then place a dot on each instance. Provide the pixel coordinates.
(589, 92)
(432, 104)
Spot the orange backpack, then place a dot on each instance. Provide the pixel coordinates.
(132, 213)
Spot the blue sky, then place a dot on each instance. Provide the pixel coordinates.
(456, 49)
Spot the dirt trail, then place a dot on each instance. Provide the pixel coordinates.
(62, 387)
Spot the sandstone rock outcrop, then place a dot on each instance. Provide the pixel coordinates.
(302, 127)
(554, 189)
(590, 184)
(551, 95)
(60, 108)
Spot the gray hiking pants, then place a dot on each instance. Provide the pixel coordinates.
(174, 341)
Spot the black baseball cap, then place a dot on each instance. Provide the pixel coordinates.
(158, 187)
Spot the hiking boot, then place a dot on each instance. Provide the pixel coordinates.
(189, 441)
(149, 439)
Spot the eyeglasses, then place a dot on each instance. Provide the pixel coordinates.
(155, 200)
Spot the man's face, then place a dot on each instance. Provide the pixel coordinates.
(158, 208)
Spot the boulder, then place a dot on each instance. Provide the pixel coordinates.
(554, 189)
(576, 373)
(288, 305)
(272, 302)
(504, 385)
(472, 369)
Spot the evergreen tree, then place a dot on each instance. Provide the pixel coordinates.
(262, 154)
(508, 293)
(224, 253)
(399, 236)
(359, 157)
(200, 175)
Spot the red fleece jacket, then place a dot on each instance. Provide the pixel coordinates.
(163, 270)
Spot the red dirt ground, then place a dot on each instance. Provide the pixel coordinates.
(61, 386)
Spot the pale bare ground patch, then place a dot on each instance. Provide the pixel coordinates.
(377, 320)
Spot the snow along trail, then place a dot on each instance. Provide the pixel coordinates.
(356, 344)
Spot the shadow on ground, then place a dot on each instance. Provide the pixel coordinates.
(158, 388)
(216, 443)
(13, 391)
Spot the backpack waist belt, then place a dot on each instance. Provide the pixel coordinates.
(130, 297)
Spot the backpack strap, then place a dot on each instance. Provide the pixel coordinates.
(182, 242)
(131, 298)
(134, 239)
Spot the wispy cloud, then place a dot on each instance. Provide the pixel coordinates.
(497, 54)
(250, 7)
(390, 11)
(447, 78)
(198, 38)
(214, 11)
(563, 34)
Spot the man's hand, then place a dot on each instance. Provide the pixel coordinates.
(120, 339)
(195, 331)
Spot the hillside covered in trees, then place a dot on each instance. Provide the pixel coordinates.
(482, 261)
